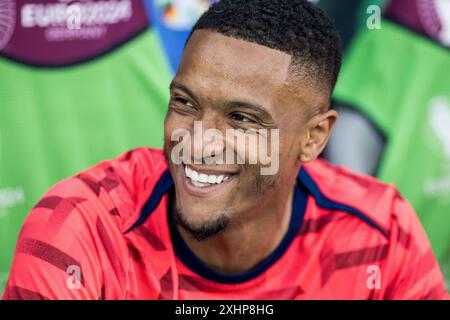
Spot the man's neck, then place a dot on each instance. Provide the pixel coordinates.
(246, 243)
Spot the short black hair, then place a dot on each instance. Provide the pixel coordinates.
(296, 27)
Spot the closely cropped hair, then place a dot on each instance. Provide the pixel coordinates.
(296, 27)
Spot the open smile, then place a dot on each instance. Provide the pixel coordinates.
(201, 181)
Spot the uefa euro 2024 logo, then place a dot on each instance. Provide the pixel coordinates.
(182, 14)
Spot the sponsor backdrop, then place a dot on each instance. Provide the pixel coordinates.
(398, 77)
(77, 85)
(82, 81)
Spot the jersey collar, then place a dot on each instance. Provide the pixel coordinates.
(182, 251)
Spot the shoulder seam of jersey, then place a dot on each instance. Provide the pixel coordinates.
(324, 202)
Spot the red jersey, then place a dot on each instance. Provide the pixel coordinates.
(106, 234)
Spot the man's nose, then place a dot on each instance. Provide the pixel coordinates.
(208, 138)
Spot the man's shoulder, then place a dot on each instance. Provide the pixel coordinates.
(133, 166)
(361, 195)
(114, 189)
(77, 228)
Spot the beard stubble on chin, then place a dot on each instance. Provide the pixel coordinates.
(217, 224)
(201, 231)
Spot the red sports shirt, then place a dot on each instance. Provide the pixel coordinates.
(105, 234)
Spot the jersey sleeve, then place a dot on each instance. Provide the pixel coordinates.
(56, 255)
(413, 272)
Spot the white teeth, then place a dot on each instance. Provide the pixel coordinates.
(199, 184)
(211, 179)
(194, 175)
(202, 179)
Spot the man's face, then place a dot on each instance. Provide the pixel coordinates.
(230, 84)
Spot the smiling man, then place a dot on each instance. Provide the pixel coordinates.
(183, 224)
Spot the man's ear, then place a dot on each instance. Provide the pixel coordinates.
(317, 135)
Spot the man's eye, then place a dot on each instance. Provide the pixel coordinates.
(183, 102)
(241, 118)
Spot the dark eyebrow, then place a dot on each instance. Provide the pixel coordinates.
(262, 112)
(176, 85)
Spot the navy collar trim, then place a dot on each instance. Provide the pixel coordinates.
(305, 186)
(326, 203)
(165, 185)
(191, 261)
